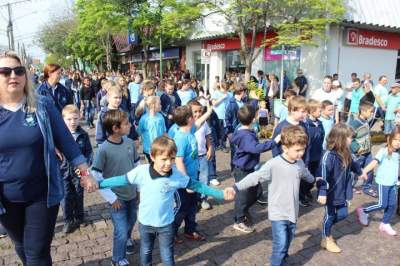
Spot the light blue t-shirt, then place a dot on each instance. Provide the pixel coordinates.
(174, 128)
(356, 96)
(283, 113)
(388, 167)
(393, 103)
(186, 96)
(150, 128)
(186, 144)
(156, 207)
(220, 109)
(327, 124)
(134, 91)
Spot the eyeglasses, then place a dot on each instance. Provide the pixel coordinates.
(6, 71)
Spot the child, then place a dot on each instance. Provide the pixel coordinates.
(387, 161)
(73, 192)
(361, 143)
(204, 146)
(262, 115)
(151, 124)
(283, 112)
(335, 167)
(245, 159)
(283, 174)
(134, 92)
(316, 136)
(356, 95)
(392, 109)
(148, 89)
(220, 99)
(116, 156)
(114, 98)
(186, 93)
(175, 101)
(104, 84)
(157, 183)
(327, 119)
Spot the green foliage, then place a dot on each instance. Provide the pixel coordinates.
(255, 91)
(58, 59)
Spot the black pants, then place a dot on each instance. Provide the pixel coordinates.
(305, 187)
(246, 198)
(31, 228)
(187, 211)
(72, 203)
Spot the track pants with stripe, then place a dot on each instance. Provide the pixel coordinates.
(333, 214)
(387, 202)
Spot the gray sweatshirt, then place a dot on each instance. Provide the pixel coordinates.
(283, 189)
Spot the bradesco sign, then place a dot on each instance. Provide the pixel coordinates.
(372, 39)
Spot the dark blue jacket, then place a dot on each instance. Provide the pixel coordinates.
(231, 120)
(167, 106)
(338, 181)
(83, 141)
(100, 94)
(248, 149)
(61, 97)
(101, 134)
(213, 124)
(277, 149)
(316, 135)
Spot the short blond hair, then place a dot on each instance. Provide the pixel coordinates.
(114, 89)
(70, 109)
(152, 100)
(296, 103)
(163, 145)
(293, 135)
(313, 105)
(147, 85)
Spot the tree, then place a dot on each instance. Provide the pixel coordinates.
(296, 22)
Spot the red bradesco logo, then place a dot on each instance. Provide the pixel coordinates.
(352, 37)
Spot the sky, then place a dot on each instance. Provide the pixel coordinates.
(28, 17)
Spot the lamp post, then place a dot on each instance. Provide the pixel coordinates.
(161, 44)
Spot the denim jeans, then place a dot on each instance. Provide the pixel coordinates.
(88, 111)
(221, 141)
(30, 226)
(203, 172)
(123, 220)
(333, 214)
(387, 202)
(72, 204)
(282, 234)
(363, 161)
(166, 237)
(212, 166)
(378, 113)
(187, 211)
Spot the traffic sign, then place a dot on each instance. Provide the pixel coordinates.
(205, 56)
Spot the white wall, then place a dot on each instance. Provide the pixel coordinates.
(217, 66)
(258, 63)
(312, 63)
(190, 48)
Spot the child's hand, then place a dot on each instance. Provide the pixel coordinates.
(364, 176)
(321, 200)
(209, 153)
(229, 193)
(116, 205)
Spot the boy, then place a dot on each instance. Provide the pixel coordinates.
(283, 174)
(361, 143)
(134, 92)
(283, 112)
(245, 159)
(316, 136)
(186, 93)
(356, 95)
(158, 183)
(327, 119)
(73, 199)
(204, 146)
(393, 108)
(114, 98)
(175, 101)
(117, 156)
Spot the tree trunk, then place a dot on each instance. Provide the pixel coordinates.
(108, 52)
(145, 61)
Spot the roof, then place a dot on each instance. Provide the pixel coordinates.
(379, 13)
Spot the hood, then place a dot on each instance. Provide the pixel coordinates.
(241, 135)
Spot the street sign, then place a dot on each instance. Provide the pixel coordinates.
(132, 38)
(205, 56)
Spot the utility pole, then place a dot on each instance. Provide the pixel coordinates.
(10, 30)
(161, 45)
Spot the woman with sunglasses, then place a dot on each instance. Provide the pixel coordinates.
(31, 187)
(53, 89)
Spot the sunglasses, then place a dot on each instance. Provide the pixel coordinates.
(6, 71)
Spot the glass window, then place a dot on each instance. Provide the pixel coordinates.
(233, 60)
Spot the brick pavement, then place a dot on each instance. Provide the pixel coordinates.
(225, 246)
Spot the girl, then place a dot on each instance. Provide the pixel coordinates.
(387, 161)
(335, 167)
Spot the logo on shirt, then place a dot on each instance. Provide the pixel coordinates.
(30, 120)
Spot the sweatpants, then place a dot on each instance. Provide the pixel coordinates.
(387, 202)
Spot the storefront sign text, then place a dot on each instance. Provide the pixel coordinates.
(372, 39)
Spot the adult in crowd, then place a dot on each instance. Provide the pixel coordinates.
(30, 181)
(325, 93)
(301, 82)
(88, 96)
(338, 96)
(381, 94)
(53, 89)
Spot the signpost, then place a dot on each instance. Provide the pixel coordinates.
(205, 60)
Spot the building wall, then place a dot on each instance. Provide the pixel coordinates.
(312, 63)
(190, 48)
(217, 66)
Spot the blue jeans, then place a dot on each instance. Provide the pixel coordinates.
(212, 166)
(333, 214)
(187, 203)
(282, 234)
(203, 172)
(364, 160)
(387, 202)
(88, 111)
(123, 221)
(166, 237)
(389, 125)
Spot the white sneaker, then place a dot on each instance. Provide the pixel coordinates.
(362, 216)
(387, 228)
(205, 205)
(214, 182)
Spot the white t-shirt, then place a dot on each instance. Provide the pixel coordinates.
(321, 95)
(382, 92)
(200, 135)
(339, 99)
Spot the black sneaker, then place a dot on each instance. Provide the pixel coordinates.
(69, 227)
(130, 246)
(263, 200)
(81, 223)
(304, 203)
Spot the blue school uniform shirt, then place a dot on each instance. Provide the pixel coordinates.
(150, 128)
(328, 125)
(156, 194)
(186, 144)
(393, 103)
(356, 96)
(283, 113)
(134, 91)
(186, 96)
(388, 167)
(220, 109)
(174, 128)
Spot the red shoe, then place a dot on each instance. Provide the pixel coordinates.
(194, 236)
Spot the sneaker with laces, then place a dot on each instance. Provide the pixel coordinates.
(214, 182)
(387, 229)
(123, 262)
(205, 205)
(130, 246)
(242, 227)
(362, 216)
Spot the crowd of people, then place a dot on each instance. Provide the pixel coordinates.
(321, 146)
